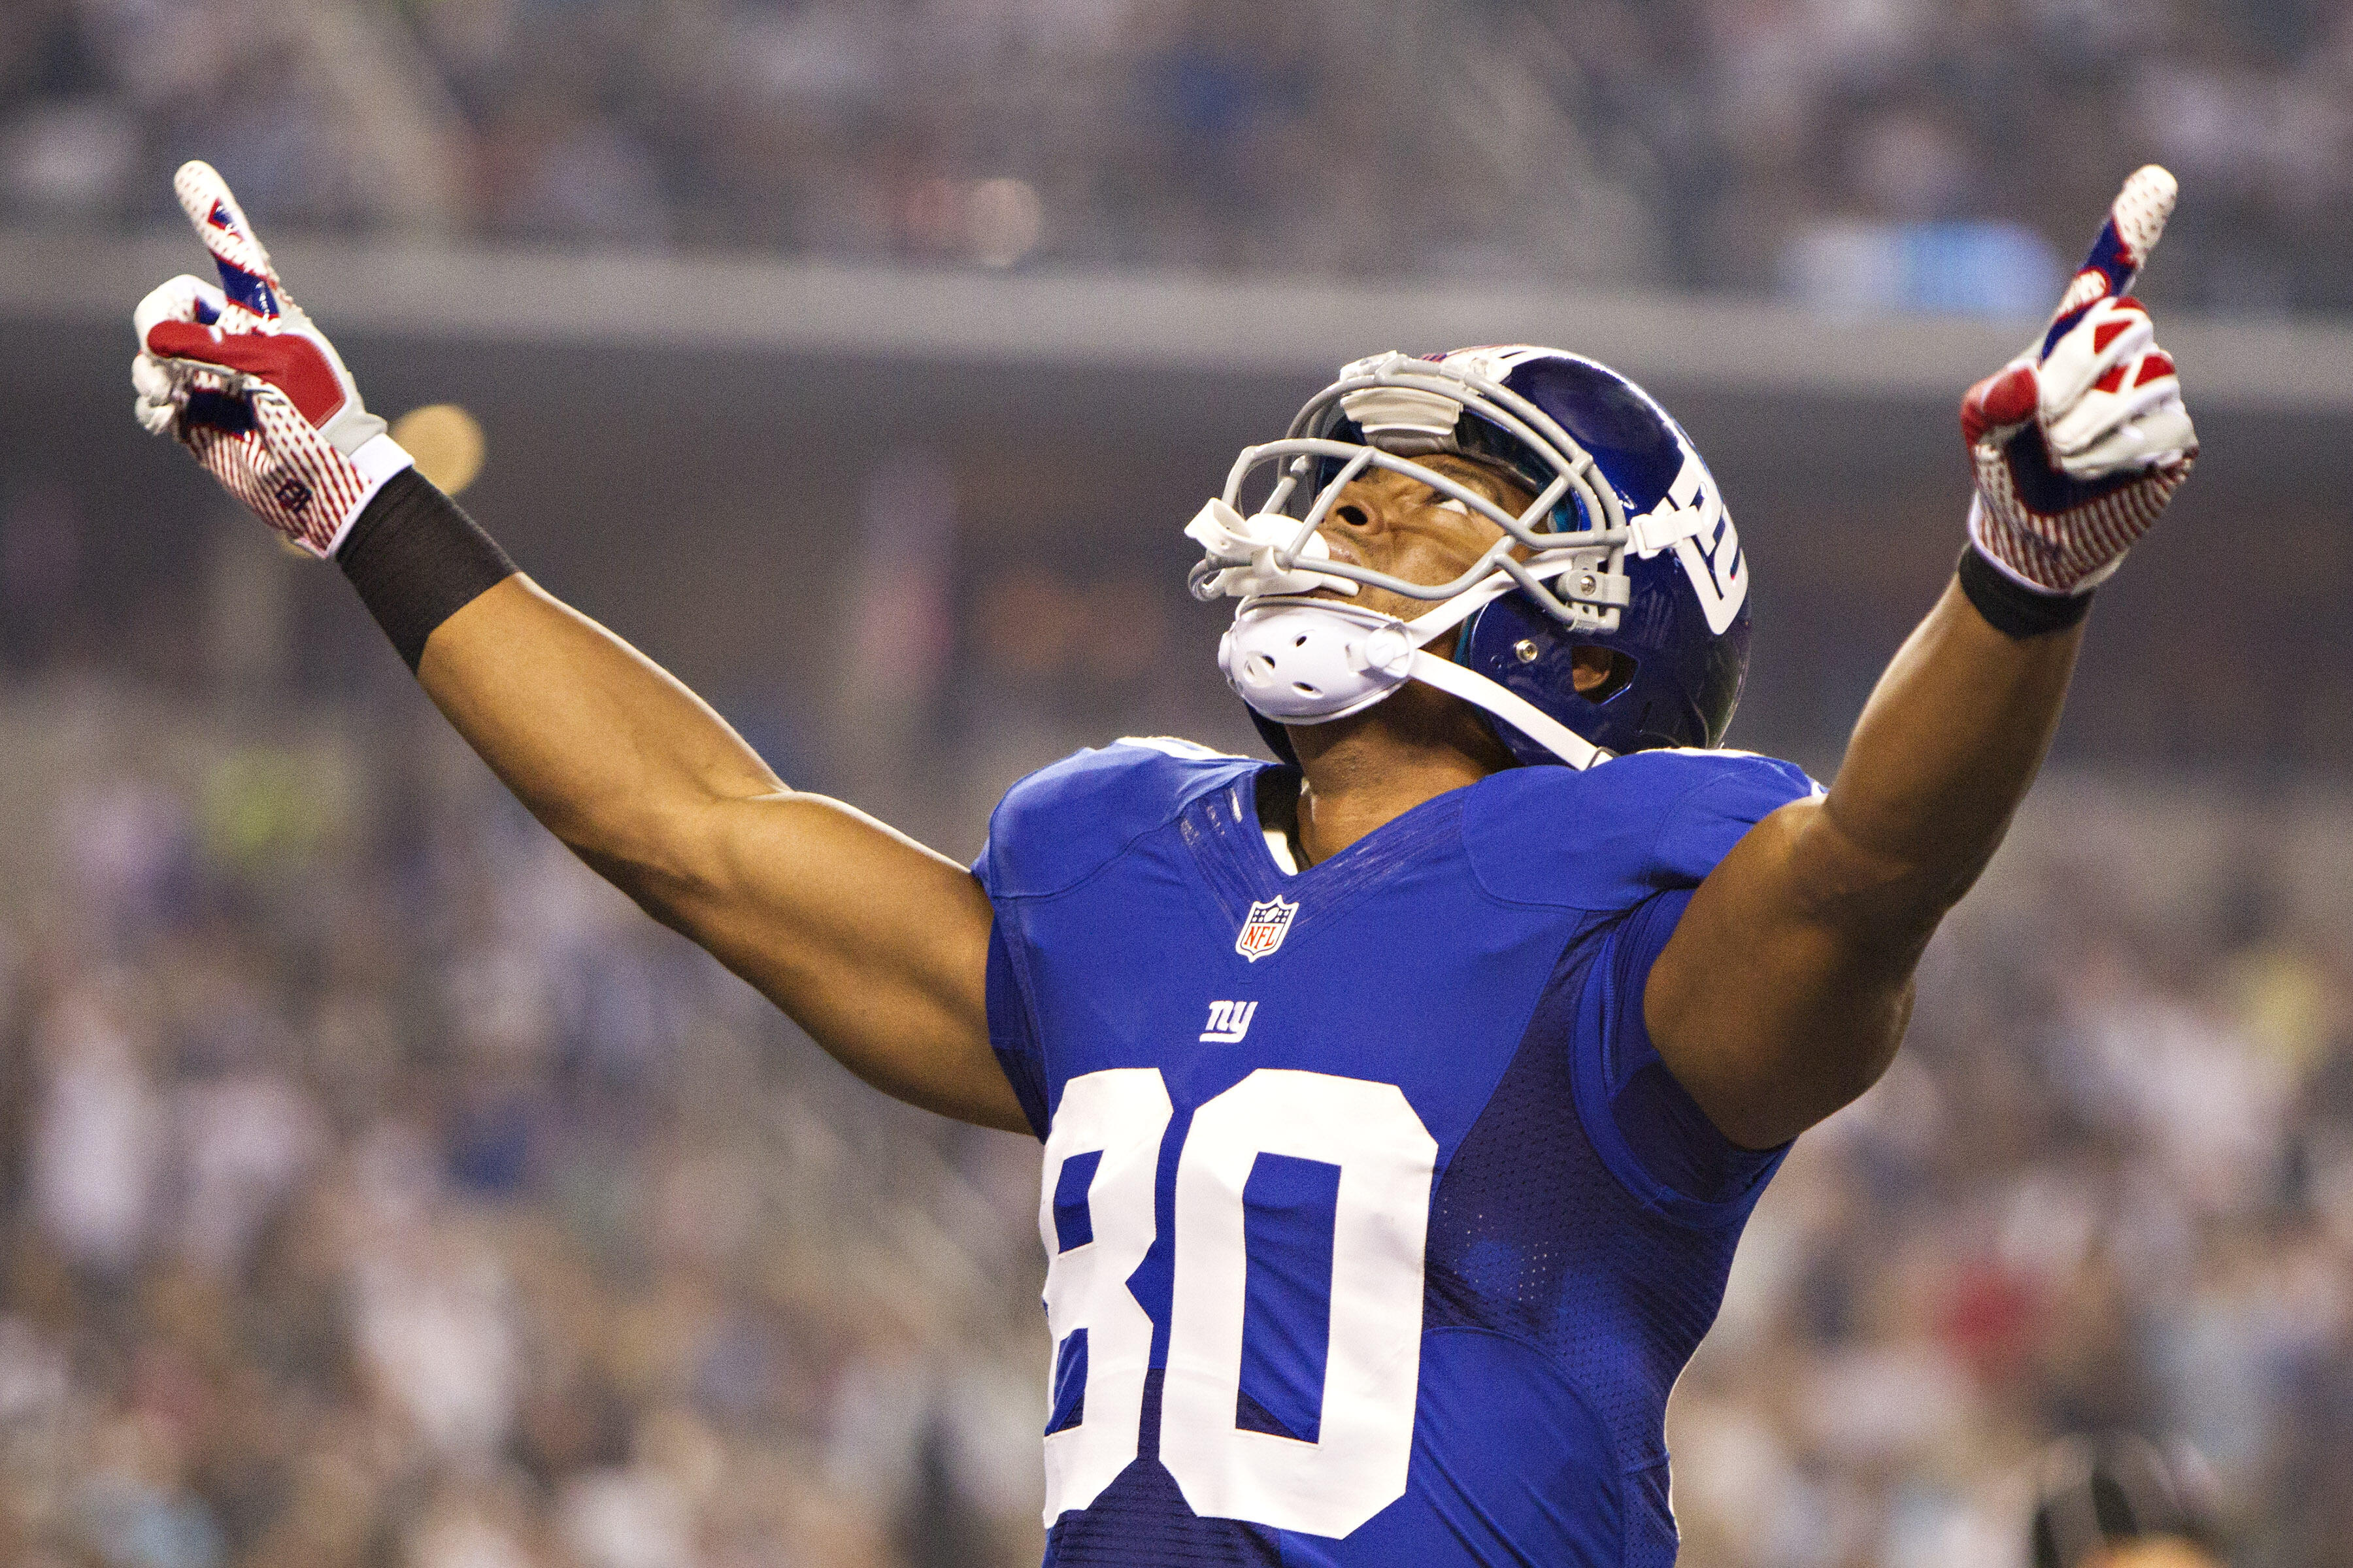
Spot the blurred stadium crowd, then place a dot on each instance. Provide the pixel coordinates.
(1856, 153)
(382, 1191)
(385, 1191)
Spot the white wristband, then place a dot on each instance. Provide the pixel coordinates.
(378, 458)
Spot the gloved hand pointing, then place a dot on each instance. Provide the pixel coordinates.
(2080, 443)
(241, 376)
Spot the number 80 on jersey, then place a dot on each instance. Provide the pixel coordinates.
(1386, 1157)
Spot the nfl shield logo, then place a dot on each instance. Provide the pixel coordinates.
(1268, 924)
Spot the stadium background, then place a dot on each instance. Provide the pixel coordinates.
(376, 1188)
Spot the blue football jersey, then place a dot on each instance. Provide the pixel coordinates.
(1376, 1233)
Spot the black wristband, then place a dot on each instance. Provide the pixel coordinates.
(417, 559)
(2012, 609)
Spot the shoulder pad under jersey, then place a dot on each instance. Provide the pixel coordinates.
(1068, 820)
(1612, 836)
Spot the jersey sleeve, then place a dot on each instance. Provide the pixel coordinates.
(1069, 820)
(1053, 832)
(1609, 838)
(1702, 822)
(1013, 1030)
(1649, 1133)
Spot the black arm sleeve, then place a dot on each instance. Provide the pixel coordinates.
(416, 559)
(2011, 608)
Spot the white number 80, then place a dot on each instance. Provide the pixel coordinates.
(1372, 1368)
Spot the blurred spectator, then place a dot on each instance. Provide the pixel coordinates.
(2119, 1502)
(96, 1134)
(41, 546)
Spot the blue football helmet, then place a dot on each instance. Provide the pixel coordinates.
(1626, 547)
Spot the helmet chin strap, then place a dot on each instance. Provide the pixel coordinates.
(1310, 661)
(1508, 705)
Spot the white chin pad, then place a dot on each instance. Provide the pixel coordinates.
(1305, 661)
(1226, 536)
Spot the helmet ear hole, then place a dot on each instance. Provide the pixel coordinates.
(1603, 672)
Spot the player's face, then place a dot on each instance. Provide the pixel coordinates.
(1401, 526)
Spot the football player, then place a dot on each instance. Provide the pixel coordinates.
(1403, 1101)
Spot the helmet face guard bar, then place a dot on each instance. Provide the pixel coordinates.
(1575, 575)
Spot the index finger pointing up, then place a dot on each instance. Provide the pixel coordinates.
(246, 273)
(2136, 222)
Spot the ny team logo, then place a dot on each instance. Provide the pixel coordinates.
(1228, 1021)
(1269, 923)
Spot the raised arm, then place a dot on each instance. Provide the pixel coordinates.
(873, 944)
(1785, 989)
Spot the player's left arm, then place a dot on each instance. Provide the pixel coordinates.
(1785, 989)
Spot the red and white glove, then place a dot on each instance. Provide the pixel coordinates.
(2080, 442)
(241, 376)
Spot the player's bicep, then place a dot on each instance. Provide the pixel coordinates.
(876, 945)
(1767, 1004)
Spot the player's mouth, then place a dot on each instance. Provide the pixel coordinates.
(1342, 549)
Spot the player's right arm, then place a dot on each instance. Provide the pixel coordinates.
(874, 945)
